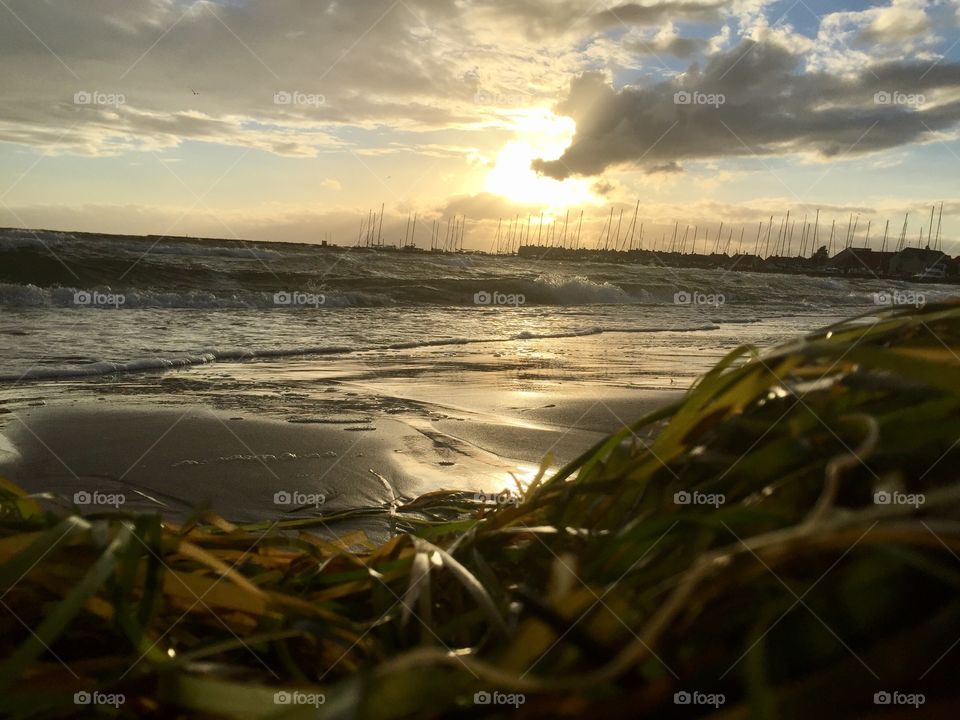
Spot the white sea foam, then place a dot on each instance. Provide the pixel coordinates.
(161, 363)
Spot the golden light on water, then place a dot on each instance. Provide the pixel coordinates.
(539, 134)
(523, 476)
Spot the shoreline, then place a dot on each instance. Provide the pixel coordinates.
(177, 460)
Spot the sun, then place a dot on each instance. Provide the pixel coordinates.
(539, 134)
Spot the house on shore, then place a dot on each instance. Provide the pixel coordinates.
(953, 267)
(860, 261)
(791, 263)
(918, 261)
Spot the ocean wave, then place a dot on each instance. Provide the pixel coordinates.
(46, 269)
(579, 290)
(204, 357)
(379, 293)
(388, 292)
(14, 295)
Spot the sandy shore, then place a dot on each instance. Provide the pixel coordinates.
(248, 468)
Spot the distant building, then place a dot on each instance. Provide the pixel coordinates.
(953, 267)
(778, 262)
(861, 261)
(745, 262)
(917, 261)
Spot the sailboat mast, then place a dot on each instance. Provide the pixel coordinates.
(939, 219)
(816, 228)
(380, 230)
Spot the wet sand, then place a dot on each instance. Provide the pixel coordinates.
(250, 468)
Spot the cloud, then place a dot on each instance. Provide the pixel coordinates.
(486, 206)
(754, 100)
(105, 131)
(656, 13)
(281, 76)
(286, 76)
(902, 20)
(394, 86)
(666, 42)
(666, 167)
(294, 77)
(852, 41)
(539, 19)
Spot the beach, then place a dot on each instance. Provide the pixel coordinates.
(229, 437)
(362, 432)
(199, 389)
(246, 468)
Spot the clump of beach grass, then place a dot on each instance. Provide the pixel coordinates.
(782, 541)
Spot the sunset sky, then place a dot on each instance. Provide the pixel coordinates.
(290, 119)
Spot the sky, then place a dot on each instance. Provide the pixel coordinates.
(289, 120)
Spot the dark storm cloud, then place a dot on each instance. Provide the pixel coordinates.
(769, 107)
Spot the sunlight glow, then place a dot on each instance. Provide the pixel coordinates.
(540, 134)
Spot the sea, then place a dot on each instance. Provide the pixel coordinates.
(108, 309)
(183, 373)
